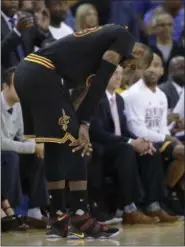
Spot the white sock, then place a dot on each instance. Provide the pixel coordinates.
(80, 212)
(35, 213)
(130, 208)
(154, 206)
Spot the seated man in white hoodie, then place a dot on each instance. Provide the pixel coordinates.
(146, 111)
(12, 145)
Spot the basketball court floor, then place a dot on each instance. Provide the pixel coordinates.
(157, 235)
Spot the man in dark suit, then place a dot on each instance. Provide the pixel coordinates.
(176, 81)
(19, 34)
(126, 155)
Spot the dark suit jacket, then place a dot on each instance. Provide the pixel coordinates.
(31, 37)
(176, 51)
(171, 93)
(102, 125)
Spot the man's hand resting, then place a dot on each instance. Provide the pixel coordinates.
(142, 146)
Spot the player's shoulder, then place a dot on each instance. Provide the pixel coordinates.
(115, 28)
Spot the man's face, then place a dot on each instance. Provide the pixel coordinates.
(178, 72)
(58, 10)
(10, 7)
(27, 5)
(152, 75)
(91, 18)
(115, 81)
(164, 26)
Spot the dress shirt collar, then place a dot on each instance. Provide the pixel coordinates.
(5, 105)
(7, 18)
(110, 96)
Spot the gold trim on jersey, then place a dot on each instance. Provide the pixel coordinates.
(40, 60)
(86, 31)
(164, 146)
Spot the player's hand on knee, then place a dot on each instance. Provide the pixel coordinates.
(39, 150)
(83, 141)
(87, 150)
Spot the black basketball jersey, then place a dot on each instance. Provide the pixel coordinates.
(78, 56)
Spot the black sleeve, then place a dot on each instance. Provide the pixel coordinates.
(9, 43)
(40, 35)
(123, 44)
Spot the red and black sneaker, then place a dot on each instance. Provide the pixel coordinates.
(84, 226)
(58, 227)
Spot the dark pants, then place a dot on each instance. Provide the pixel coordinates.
(135, 174)
(151, 173)
(10, 184)
(120, 159)
(30, 175)
(33, 180)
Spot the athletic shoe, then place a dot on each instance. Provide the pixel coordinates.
(173, 203)
(58, 227)
(84, 226)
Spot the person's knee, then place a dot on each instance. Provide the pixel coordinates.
(11, 158)
(126, 150)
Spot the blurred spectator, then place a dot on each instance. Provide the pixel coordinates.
(58, 10)
(103, 8)
(165, 46)
(86, 17)
(38, 5)
(124, 155)
(179, 108)
(19, 33)
(143, 6)
(122, 13)
(13, 144)
(175, 9)
(179, 127)
(173, 88)
(148, 119)
(26, 5)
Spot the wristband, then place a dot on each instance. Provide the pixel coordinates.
(86, 123)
